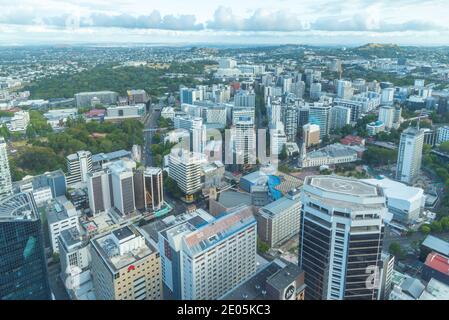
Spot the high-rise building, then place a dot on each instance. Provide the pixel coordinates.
(442, 134)
(185, 169)
(278, 221)
(197, 131)
(154, 188)
(205, 257)
(290, 120)
(387, 96)
(340, 117)
(303, 116)
(387, 116)
(319, 114)
(340, 242)
(278, 138)
(99, 191)
(274, 111)
(245, 99)
(311, 135)
(189, 95)
(5, 174)
(23, 264)
(125, 266)
(242, 113)
(344, 89)
(78, 166)
(315, 91)
(409, 155)
(244, 141)
(355, 106)
(122, 183)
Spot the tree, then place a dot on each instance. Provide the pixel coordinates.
(283, 155)
(425, 228)
(395, 249)
(436, 226)
(444, 147)
(445, 223)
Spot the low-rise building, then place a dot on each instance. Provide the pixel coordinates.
(329, 155)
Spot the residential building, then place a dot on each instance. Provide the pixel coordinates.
(5, 174)
(410, 155)
(78, 166)
(185, 169)
(311, 135)
(374, 128)
(386, 115)
(290, 120)
(319, 114)
(340, 117)
(442, 134)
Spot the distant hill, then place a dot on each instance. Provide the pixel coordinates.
(379, 50)
(370, 46)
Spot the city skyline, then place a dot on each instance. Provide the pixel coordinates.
(274, 22)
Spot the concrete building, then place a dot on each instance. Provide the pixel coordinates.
(203, 258)
(311, 135)
(386, 115)
(5, 174)
(84, 99)
(404, 202)
(340, 117)
(374, 128)
(99, 190)
(154, 188)
(78, 166)
(189, 95)
(410, 155)
(278, 138)
(442, 134)
(278, 221)
(387, 96)
(315, 91)
(61, 215)
(339, 216)
(278, 280)
(290, 120)
(329, 155)
(197, 131)
(245, 99)
(243, 136)
(120, 113)
(185, 169)
(356, 107)
(125, 266)
(319, 114)
(74, 252)
(123, 187)
(344, 89)
(137, 97)
(19, 122)
(242, 113)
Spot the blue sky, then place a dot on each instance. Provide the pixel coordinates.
(349, 22)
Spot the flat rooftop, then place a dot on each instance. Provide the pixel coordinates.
(18, 207)
(344, 186)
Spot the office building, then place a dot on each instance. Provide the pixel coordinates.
(154, 188)
(243, 113)
(5, 174)
(341, 237)
(84, 99)
(290, 120)
(23, 264)
(245, 99)
(340, 117)
(137, 97)
(274, 111)
(189, 95)
(374, 128)
(344, 89)
(278, 221)
(278, 138)
(61, 215)
(278, 280)
(197, 131)
(442, 134)
(123, 188)
(185, 169)
(386, 115)
(311, 135)
(387, 96)
(125, 266)
(205, 257)
(78, 166)
(315, 91)
(410, 155)
(120, 113)
(99, 191)
(243, 136)
(319, 114)
(73, 252)
(355, 106)
(303, 116)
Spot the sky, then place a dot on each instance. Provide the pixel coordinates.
(325, 22)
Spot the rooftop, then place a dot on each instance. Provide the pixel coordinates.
(343, 185)
(230, 199)
(438, 262)
(394, 189)
(18, 207)
(437, 244)
(111, 156)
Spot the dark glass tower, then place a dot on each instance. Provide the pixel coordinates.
(23, 267)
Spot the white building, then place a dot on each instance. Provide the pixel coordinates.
(61, 215)
(442, 134)
(243, 136)
(338, 216)
(340, 117)
(125, 112)
(245, 99)
(387, 96)
(168, 113)
(185, 169)
(386, 115)
(410, 155)
(374, 128)
(278, 138)
(78, 166)
(19, 122)
(329, 155)
(404, 203)
(5, 174)
(278, 221)
(204, 257)
(197, 131)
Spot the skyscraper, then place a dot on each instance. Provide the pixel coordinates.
(340, 117)
(122, 183)
(5, 175)
(185, 169)
(154, 188)
(78, 166)
(319, 114)
(23, 265)
(244, 141)
(290, 120)
(197, 131)
(341, 236)
(204, 257)
(410, 155)
(99, 191)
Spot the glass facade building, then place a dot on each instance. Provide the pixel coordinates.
(23, 267)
